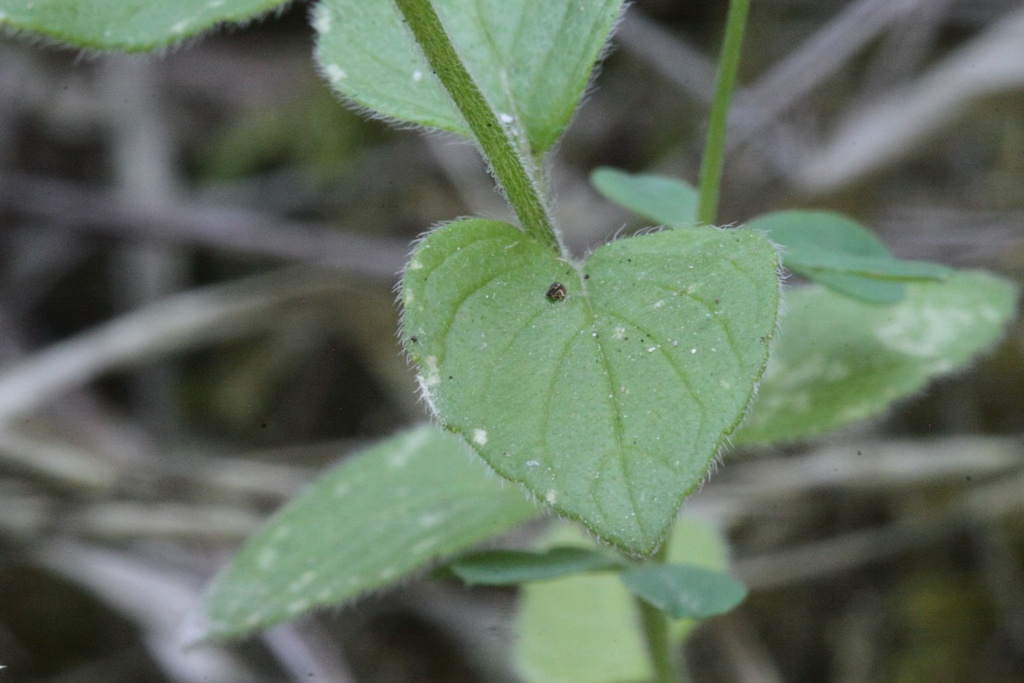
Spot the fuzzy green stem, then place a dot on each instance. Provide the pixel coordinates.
(511, 168)
(656, 633)
(714, 149)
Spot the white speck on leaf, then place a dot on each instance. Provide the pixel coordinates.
(335, 74)
(924, 332)
(322, 22)
(266, 559)
(480, 437)
(401, 457)
(431, 375)
(431, 519)
(398, 460)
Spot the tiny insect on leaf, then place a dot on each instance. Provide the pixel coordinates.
(557, 292)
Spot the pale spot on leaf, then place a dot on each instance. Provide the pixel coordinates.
(335, 74)
(431, 520)
(322, 22)
(266, 559)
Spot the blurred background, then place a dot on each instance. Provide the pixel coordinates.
(198, 251)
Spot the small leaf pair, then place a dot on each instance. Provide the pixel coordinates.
(584, 628)
(825, 247)
(681, 591)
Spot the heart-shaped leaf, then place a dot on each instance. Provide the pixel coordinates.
(839, 360)
(606, 387)
(126, 24)
(530, 58)
(377, 516)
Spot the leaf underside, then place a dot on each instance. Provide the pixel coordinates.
(377, 516)
(839, 360)
(532, 60)
(133, 25)
(609, 397)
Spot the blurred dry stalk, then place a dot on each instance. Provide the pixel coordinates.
(123, 493)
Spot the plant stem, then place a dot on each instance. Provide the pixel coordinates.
(656, 633)
(714, 149)
(513, 170)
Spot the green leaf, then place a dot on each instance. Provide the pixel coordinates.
(133, 25)
(839, 360)
(868, 289)
(881, 268)
(820, 231)
(664, 200)
(843, 255)
(377, 516)
(606, 387)
(685, 591)
(585, 628)
(531, 58)
(508, 567)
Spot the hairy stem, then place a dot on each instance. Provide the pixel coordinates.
(714, 149)
(514, 171)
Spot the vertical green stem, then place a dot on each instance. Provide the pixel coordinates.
(714, 149)
(656, 633)
(513, 170)
(655, 623)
